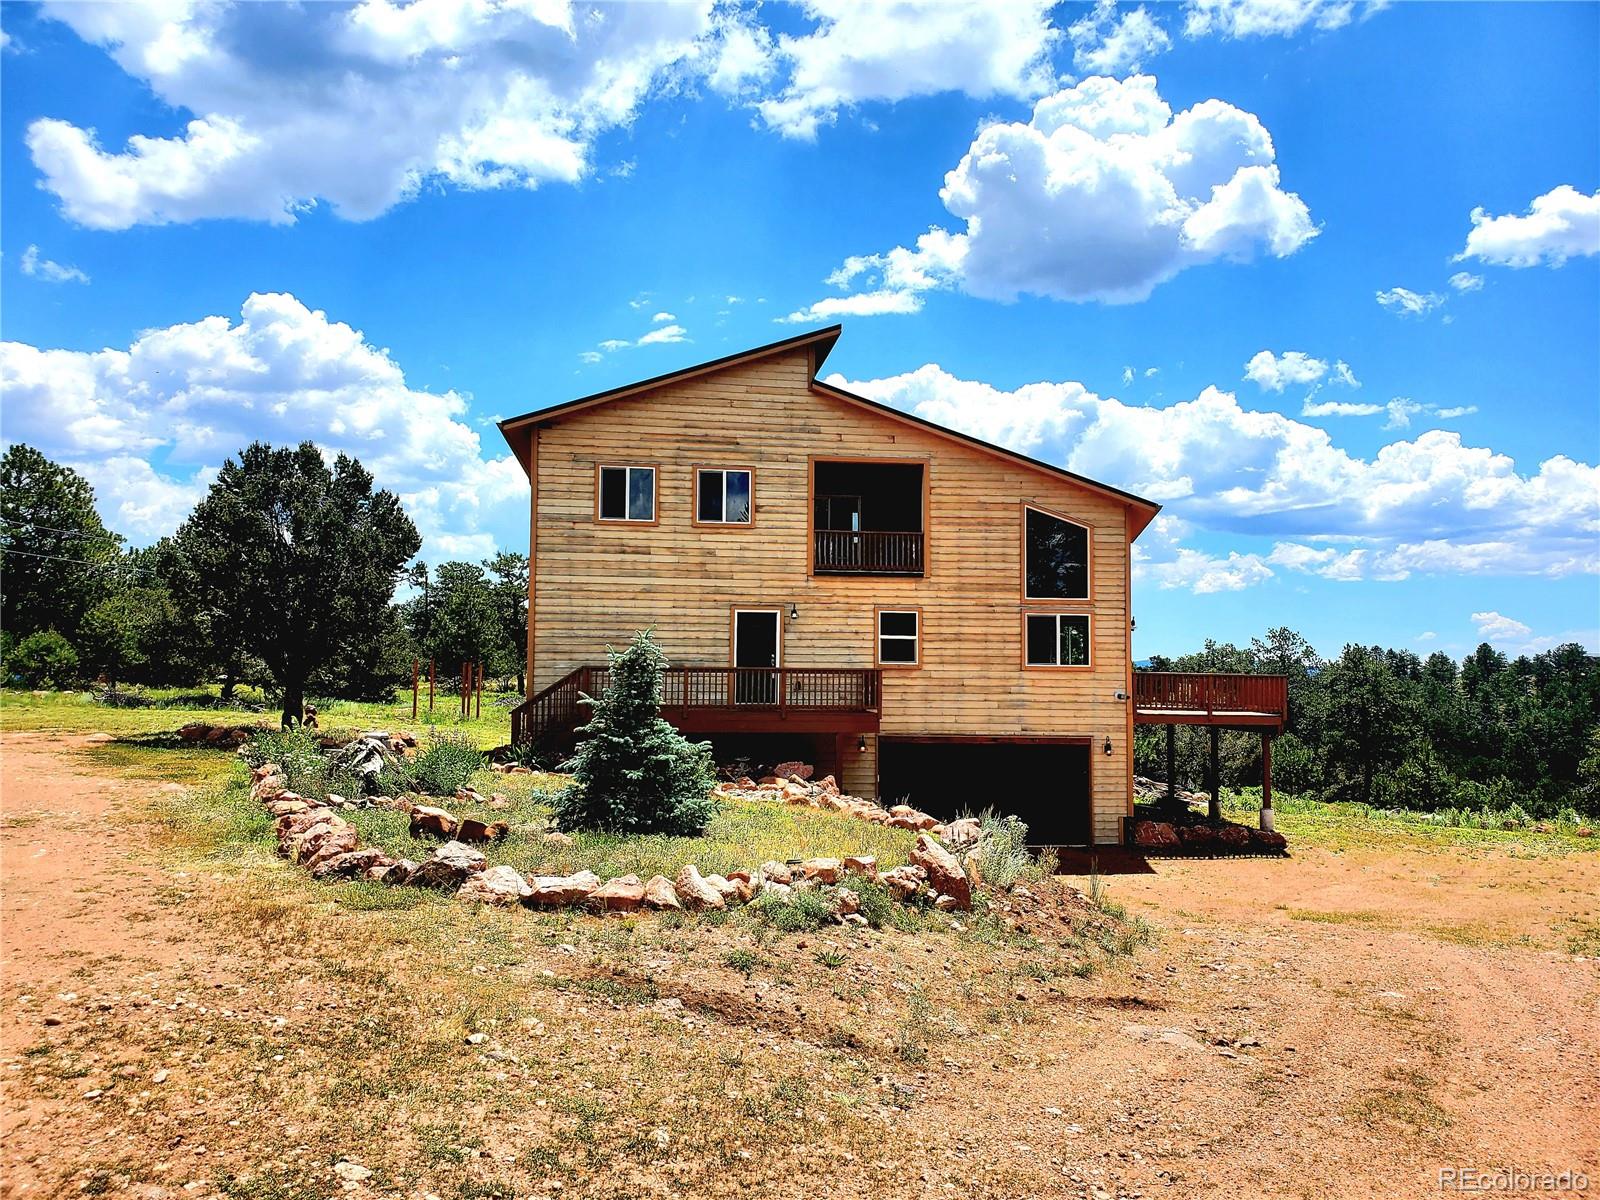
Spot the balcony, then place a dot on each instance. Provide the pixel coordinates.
(1210, 698)
(867, 552)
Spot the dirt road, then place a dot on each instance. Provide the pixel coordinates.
(1333, 1024)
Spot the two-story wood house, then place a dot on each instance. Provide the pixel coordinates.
(920, 613)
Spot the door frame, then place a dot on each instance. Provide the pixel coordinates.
(733, 629)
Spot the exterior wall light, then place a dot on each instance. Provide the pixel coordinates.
(861, 743)
(794, 612)
(1108, 744)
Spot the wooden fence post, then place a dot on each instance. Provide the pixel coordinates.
(415, 667)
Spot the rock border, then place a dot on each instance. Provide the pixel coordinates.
(312, 834)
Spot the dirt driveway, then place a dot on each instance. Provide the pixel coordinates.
(1340, 1023)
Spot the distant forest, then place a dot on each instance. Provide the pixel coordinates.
(1384, 727)
(1392, 729)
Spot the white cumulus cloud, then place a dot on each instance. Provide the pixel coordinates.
(1293, 368)
(1561, 224)
(36, 265)
(187, 396)
(1105, 43)
(1103, 195)
(1270, 18)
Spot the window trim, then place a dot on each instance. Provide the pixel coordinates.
(1022, 556)
(878, 636)
(1088, 619)
(694, 508)
(655, 492)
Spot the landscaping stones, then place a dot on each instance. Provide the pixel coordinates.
(448, 867)
(1155, 835)
(776, 872)
(353, 864)
(473, 830)
(224, 736)
(622, 894)
(726, 888)
(795, 770)
(427, 821)
(660, 893)
(945, 875)
(861, 864)
(962, 834)
(560, 891)
(823, 870)
(557, 839)
(499, 886)
(903, 816)
(904, 882)
(694, 892)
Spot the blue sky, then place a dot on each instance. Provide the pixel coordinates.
(453, 212)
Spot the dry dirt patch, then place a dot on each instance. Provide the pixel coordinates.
(1253, 1051)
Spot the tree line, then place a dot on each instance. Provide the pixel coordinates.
(1395, 730)
(283, 577)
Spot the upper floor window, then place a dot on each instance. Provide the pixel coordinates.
(899, 637)
(722, 497)
(1056, 639)
(1055, 557)
(627, 493)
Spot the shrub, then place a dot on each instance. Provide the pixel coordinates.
(298, 752)
(633, 772)
(1002, 848)
(795, 913)
(44, 657)
(446, 765)
(878, 906)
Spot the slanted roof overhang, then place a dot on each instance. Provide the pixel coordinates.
(820, 342)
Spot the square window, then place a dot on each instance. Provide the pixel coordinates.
(1056, 639)
(627, 493)
(722, 497)
(899, 637)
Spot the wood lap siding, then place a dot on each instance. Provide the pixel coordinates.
(598, 583)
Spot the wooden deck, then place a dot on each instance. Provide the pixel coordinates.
(1211, 698)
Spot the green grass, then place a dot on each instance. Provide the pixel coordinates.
(1347, 826)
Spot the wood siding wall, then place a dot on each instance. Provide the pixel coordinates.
(598, 583)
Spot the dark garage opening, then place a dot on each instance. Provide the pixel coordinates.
(1044, 783)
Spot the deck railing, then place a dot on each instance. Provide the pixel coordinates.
(1211, 693)
(868, 551)
(556, 712)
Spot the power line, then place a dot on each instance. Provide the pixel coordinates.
(82, 562)
(106, 534)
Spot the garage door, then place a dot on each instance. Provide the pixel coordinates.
(1044, 783)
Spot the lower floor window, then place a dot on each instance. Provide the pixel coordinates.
(899, 637)
(1057, 639)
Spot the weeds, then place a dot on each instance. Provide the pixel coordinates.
(911, 1035)
(1002, 852)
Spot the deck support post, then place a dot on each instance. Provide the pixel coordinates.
(1266, 781)
(1172, 766)
(1215, 777)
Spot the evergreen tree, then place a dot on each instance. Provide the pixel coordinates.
(57, 560)
(634, 772)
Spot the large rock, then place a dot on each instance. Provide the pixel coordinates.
(728, 889)
(905, 881)
(559, 891)
(1198, 837)
(341, 839)
(693, 890)
(945, 875)
(777, 872)
(962, 834)
(500, 886)
(447, 867)
(1155, 835)
(861, 864)
(1234, 837)
(353, 864)
(473, 830)
(903, 816)
(394, 874)
(427, 821)
(268, 786)
(660, 893)
(622, 894)
(823, 870)
(1268, 839)
(789, 770)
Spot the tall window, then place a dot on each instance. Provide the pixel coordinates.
(627, 493)
(722, 497)
(1057, 557)
(899, 637)
(1057, 639)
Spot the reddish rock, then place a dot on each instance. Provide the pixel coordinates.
(622, 894)
(861, 864)
(766, 779)
(427, 821)
(395, 873)
(903, 881)
(829, 784)
(447, 867)
(338, 840)
(1198, 837)
(777, 872)
(660, 893)
(473, 830)
(846, 902)
(793, 770)
(726, 888)
(563, 890)
(1234, 837)
(694, 891)
(354, 864)
(946, 903)
(823, 870)
(1268, 839)
(500, 886)
(195, 732)
(962, 834)
(1155, 835)
(945, 875)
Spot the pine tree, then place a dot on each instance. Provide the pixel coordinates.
(635, 773)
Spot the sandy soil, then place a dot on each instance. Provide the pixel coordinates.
(1332, 1024)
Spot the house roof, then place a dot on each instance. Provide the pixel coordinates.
(821, 342)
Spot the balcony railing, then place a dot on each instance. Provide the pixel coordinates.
(1213, 696)
(868, 552)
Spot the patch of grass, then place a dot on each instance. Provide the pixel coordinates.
(912, 1034)
(1402, 1102)
(742, 959)
(795, 913)
(832, 959)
